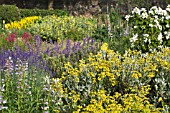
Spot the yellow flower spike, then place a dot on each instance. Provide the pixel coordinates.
(23, 23)
(104, 47)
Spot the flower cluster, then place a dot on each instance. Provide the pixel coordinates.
(23, 23)
(50, 56)
(26, 37)
(14, 39)
(110, 82)
(11, 37)
(151, 29)
(22, 87)
(63, 27)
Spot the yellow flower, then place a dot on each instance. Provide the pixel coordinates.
(151, 74)
(160, 99)
(104, 47)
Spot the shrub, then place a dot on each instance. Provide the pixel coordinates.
(54, 27)
(9, 13)
(109, 82)
(150, 30)
(42, 12)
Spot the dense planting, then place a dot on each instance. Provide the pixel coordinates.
(53, 27)
(23, 23)
(54, 64)
(150, 28)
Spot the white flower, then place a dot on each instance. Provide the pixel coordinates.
(159, 11)
(160, 47)
(160, 37)
(160, 27)
(157, 24)
(127, 17)
(143, 9)
(164, 13)
(168, 35)
(168, 8)
(135, 27)
(167, 17)
(151, 25)
(151, 12)
(154, 8)
(162, 18)
(144, 15)
(146, 39)
(165, 32)
(149, 41)
(136, 11)
(145, 35)
(134, 38)
(167, 25)
(156, 16)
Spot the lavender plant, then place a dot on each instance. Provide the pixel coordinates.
(51, 56)
(57, 56)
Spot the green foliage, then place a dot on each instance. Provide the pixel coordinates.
(24, 89)
(111, 29)
(17, 38)
(150, 29)
(130, 74)
(42, 12)
(3, 43)
(54, 27)
(9, 13)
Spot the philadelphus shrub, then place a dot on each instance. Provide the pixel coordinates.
(110, 82)
(151, 29)
(23, 23)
